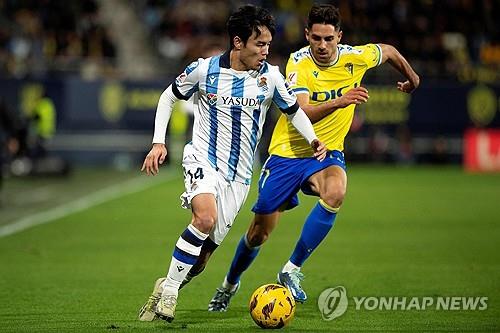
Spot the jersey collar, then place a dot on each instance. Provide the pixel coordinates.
(225, 62)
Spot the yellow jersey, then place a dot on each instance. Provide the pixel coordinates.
(323, 83)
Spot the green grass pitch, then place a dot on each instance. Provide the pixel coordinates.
(401, 232)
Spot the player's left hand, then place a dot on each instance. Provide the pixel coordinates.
(319, 149)
(408, 86)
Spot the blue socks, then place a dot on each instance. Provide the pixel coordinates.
(243, 258)
(318, 224)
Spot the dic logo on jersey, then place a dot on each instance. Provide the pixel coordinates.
(323, 96)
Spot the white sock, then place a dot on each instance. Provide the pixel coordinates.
(186, 252)
(229, 286)
(290, 266)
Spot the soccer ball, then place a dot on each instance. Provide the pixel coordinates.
(272, 306)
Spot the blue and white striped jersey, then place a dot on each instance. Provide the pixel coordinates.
(230, 110)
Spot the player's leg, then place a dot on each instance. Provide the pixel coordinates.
(230, 199)
(278, 187)
(261, 227)
(246, 251)
(187, 246)
(330, 184)
(186, 252)
(207, 249)
(201, 191)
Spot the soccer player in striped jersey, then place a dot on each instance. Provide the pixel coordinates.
(326, 76)
(233, 93)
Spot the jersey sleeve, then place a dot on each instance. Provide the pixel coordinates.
(298, 83)
(370, 55)
(187, 83)
(283, 95)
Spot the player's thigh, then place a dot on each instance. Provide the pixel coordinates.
(230, 198)
(329, 181)
(201, 190)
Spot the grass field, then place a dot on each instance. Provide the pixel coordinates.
(401, 232)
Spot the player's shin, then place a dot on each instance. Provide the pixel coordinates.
(186, 253)
(208, 248)
(317, 225)
(243, 258)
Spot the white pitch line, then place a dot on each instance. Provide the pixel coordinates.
(112, 192)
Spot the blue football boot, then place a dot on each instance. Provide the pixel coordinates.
(291, 280)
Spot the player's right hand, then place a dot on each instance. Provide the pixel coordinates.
(319, 149)
(356, 96)
(154, 158)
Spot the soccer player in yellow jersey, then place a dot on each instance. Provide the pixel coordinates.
(326, 77)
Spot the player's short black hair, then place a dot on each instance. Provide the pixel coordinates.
(246, 20)
(324, 14)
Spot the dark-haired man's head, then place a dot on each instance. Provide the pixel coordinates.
(250, 30)
(323, 32)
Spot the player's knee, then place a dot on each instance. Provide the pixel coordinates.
(334, 196)
(204, 222)
(256, 237)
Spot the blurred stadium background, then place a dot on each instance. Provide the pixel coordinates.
(79, 83)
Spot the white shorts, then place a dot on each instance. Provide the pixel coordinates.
(201, 177)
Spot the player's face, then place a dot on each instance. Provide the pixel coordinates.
(323, 39)
(255, 52)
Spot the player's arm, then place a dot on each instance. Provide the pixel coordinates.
(391, 55)
(158, 152)
(183, 88)
(315, 113)
(301, 122)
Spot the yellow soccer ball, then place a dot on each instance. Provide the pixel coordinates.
(272, 306)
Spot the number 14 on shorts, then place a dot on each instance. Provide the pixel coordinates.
(197, 174)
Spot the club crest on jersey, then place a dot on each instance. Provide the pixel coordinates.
(212, 99)
(262, 83)
(349, 67)
(315, 73)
